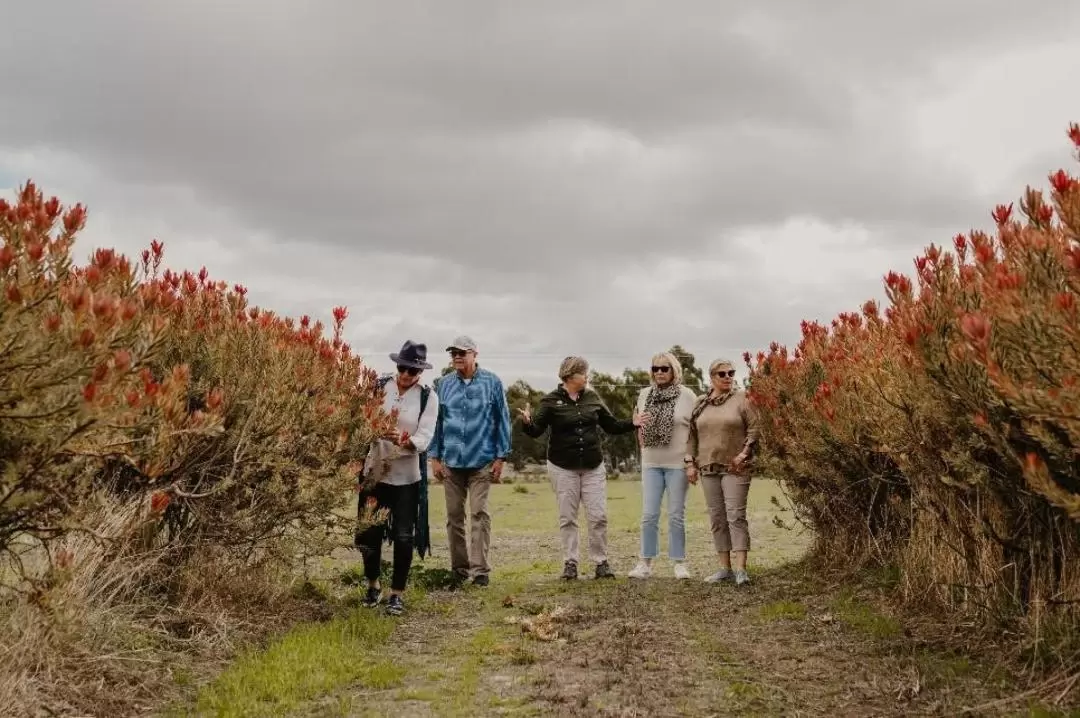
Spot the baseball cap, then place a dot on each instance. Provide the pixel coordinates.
(464, 343)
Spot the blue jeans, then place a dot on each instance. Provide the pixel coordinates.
(654, 481)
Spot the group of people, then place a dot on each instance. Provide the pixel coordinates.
(461, 428)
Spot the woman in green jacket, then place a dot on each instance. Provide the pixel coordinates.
(576, 414)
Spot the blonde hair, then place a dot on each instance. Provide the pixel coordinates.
(571, 366)
(672, 361)
(719, 363)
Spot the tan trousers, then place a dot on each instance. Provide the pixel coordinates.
(725, 495)
(473, 484)
(573, 488)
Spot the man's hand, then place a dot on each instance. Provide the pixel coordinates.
(526, 414)
(692, 474)
(496, 471)
(438, 471)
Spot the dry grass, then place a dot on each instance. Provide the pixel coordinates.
(120, 629)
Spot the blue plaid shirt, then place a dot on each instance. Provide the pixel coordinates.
(473, 428)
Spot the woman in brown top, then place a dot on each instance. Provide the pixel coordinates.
(723, 431)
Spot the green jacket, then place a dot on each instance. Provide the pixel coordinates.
(575, 441)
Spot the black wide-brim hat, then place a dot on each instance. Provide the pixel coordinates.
(412, 355)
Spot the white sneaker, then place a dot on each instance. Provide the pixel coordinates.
(642, 570)
(681, 571)
(722, 575)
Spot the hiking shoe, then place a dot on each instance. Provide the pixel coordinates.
(741, 577)
(681, 571)
(603, 570)
(481, 580)
(569, 572)
(395, 606)
(373, 597)
(723, 574)
(642, 570)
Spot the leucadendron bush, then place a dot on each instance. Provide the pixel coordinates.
(168, 454)
(940, 435)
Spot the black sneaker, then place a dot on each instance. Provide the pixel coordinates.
(395, 606)
(569, 572)
(603, 570)
(373, 597)
(481, 579)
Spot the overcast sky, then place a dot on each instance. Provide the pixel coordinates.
(556, 177)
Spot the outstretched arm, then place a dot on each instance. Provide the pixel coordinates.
(612, 425)
(539, 422)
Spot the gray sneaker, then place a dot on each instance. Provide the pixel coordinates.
(723, 574)
(741, 578)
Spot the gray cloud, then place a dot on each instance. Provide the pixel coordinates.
(502, 168)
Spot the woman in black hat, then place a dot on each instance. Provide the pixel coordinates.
(393, 474)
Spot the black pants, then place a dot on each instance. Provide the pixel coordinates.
(401, 502)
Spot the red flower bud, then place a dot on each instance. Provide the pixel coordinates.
(100, 372)
(52, 323)
(89, 392)
(159, 501)
(13, 294)
(156, 248)
(1074, 134)
(1002, 213)
(1061, 182)
(122, 360)
(7, 257)
(86, 338)
(75, 219)
(35, 250)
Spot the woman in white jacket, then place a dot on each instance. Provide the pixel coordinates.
(663, 447)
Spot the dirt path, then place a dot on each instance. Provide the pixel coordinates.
(533, 645)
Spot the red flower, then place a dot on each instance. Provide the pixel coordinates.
(13, 294)
(975, 327)
(1061, 182)
(340, 313)
(75, 219)
(1002, 213)
(156, 247)
(52, 323)
(7, 257)
(159, 501)
(122, 360)
(746, 358)
(1074, 133)
(1044, 215)
(86, 338)
(89, 392)
(100, 372)
(1065, 301)
(35, 250)
(52, 208)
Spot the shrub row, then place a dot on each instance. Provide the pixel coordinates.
(941, 435)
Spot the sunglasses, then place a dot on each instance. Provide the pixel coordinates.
(730, 373)
(411, 371)
(661, 369)
(457, 353)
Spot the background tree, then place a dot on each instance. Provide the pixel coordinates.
(693, 375)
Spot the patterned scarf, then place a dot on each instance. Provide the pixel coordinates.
(660, 405)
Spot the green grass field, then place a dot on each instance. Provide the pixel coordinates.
(532, 645)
